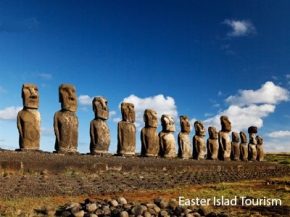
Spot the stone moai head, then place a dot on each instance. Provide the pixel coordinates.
(128, 112)
(199, 128)
(30, 96)
(213, 133)
(184, 124)
(100, 107)
(150, 118)
(260, 140)
(167, 123)
(226, 124)
(252, 129)
(235, 137)
(68, 97)
(243, 137)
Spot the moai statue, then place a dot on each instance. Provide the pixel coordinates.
(127, 131)
(224, 139)
(260, 148)
(235, 155)
(184, 146)
(65, 121)
(28, 119)
(99, 130)
(149, 135)
(166, 137)
(212, 144)
(198, 143)
(244, 146)
(252, 130)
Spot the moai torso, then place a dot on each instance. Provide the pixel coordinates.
(199, 146)
(149, 135)
(243, 147)
(99, 130)
(212, 144)
(166, 137)
(235, 146)
(127, 130)
(184, 146)
(252, 143)
(260, 148)
(224, 139)
(28, 119)
(66, 121)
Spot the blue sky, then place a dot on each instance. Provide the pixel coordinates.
(195, 58)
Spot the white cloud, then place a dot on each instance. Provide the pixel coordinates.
(9, 113)
(277, 145)
(279, 134)
(240, 27)
(250, 107)
(47, 131)
(160, 103)
(242, 117)
(85, 100)
(45, 76)
(269, 93)
(112, 114)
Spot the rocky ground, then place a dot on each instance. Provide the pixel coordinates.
(38, 175)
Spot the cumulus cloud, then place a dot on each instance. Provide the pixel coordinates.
(85, 100)
(9, 113)
(250, 107)
(160, 103)
(279, 134)
(269, 93)
(240, 27)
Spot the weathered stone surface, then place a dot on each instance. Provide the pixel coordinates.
(28, 119)
(149, 135)
(166, 137)
(244, 146)
(212, 144)
(260, 148)
(99, 130)
(235, 155)
(224, 139)
(127, 130)
(66, 121)
(199, 145)
(252, 130)
(184, 146)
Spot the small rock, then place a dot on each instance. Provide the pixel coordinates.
(138, 210)
(93, 215)
(114, 203)
(211, 214)
(189, 215)
(106, 210)
(195, 214)
(122, 201)
(80, 213)
(157, 209)
(124, 214)
(163, 213)
(147, 214)
(163, 204)
(91, 207)
(172, 203)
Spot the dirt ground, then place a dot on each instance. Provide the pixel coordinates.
(53, 179)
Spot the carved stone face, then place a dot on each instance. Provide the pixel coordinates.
(128, 112)
(100, 107)
(226, 124)
(68, 97)
(213, 134)
(184, 124)
(243, 137)
(252, 129)
(150, 118)
(167, 123)
(235, 137)
(259, 140)
(30, 96)
(199, 128)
